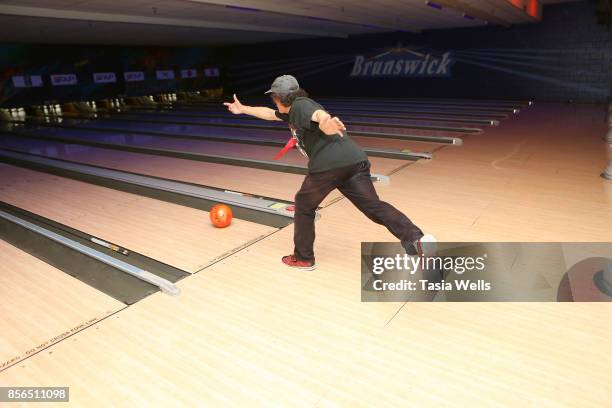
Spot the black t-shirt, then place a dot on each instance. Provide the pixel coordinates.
(324, 152)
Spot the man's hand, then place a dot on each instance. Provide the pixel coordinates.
(260, 112)
(235, 107)
(331, 126)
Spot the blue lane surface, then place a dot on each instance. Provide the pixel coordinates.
(221, 117)
(198, 129)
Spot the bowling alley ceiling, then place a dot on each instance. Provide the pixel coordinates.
(195, 22)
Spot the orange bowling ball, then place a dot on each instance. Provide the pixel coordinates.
(221, 215)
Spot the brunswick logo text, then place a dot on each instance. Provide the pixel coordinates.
(404, 63)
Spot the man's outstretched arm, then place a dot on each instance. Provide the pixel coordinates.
(260, 112)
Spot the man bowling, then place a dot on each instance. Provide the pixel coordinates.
(334, 162)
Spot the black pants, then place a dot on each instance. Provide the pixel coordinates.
(355, 184)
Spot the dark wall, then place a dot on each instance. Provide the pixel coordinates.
(567, 56)
(84, 61)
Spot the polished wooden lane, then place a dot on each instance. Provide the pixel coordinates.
(249, 332)
(42, 305)
(180, 236)
(209, 174)
(382, 166)
(253, 181)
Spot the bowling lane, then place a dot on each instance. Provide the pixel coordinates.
(32, 292)
(431, 101)
(409, 119)
(377, 99)
(350, 120)
(170, 143)
(379, 165)
(454, 110)
(179, 236)
(117, 125)
(419, 119)
(343, 110)
(254, 181)
(484, 109)
(433, 117)
(200, 125)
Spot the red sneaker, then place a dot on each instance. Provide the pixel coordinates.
(293, 262)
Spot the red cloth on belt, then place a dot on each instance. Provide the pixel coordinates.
(290, 144)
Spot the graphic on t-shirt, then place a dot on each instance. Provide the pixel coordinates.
(299, 144)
